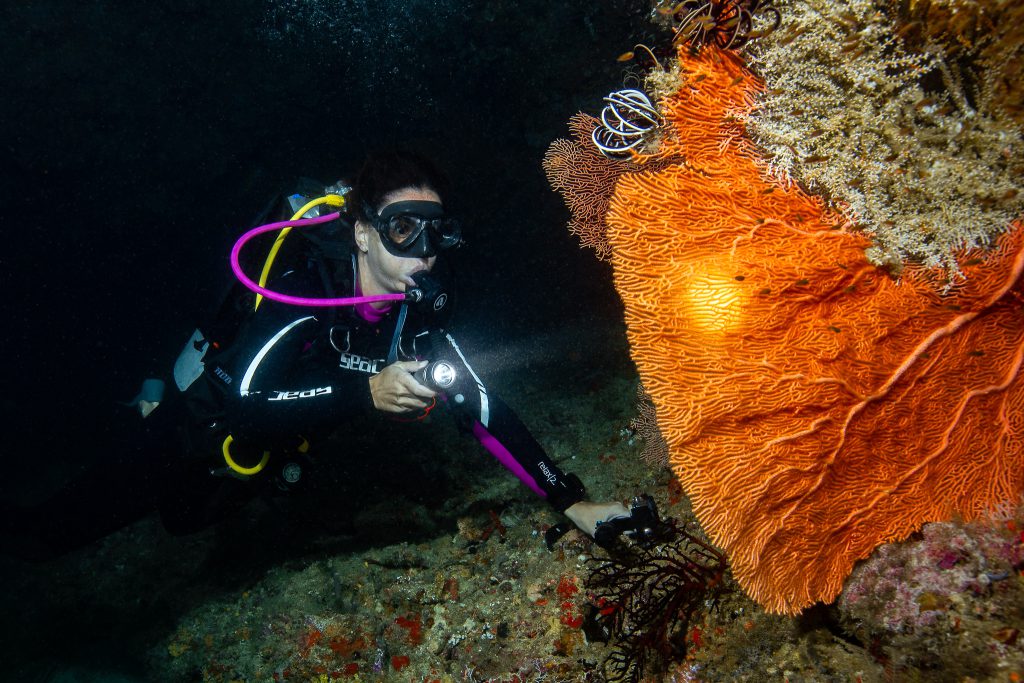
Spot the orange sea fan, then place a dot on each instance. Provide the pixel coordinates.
(586, 179)
(814, 407)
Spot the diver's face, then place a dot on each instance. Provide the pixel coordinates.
(381, 270)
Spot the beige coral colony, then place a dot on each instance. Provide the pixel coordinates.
(905, 115)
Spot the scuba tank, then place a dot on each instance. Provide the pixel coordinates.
(219, 331)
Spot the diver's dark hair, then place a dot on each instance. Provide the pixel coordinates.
(387, 171)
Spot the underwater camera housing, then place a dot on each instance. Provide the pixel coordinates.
(640, 527)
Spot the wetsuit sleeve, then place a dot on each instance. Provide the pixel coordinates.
(278, 388)
(501, 431)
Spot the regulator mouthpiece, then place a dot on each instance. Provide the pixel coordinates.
(428, 293)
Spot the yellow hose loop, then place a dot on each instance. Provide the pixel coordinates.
(335, 200)
(248, 471)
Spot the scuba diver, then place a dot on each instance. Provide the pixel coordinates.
(355, 325)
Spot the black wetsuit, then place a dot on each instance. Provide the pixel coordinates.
(304, 372)
(292, 374)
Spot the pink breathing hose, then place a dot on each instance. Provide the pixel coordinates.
(297, 300)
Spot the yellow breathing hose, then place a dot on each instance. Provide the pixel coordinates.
(337, 201)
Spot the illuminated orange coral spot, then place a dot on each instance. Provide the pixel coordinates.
(814, 407)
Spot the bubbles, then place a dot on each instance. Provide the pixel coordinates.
(323, 22)
(385, 54)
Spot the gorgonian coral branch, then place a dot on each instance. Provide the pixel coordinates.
(647, 597)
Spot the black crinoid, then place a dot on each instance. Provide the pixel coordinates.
(728, 24)
(645, 598)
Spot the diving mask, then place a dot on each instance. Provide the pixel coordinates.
(415, 228)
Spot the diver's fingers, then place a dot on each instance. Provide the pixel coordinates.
(408, 380)
(396, 390)
(417, 389)
(410, 366)
(414, 404)
(403, 404)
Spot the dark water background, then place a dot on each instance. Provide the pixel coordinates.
(139, 138)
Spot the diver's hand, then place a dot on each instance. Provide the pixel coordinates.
(395, 390)
(586, 515)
